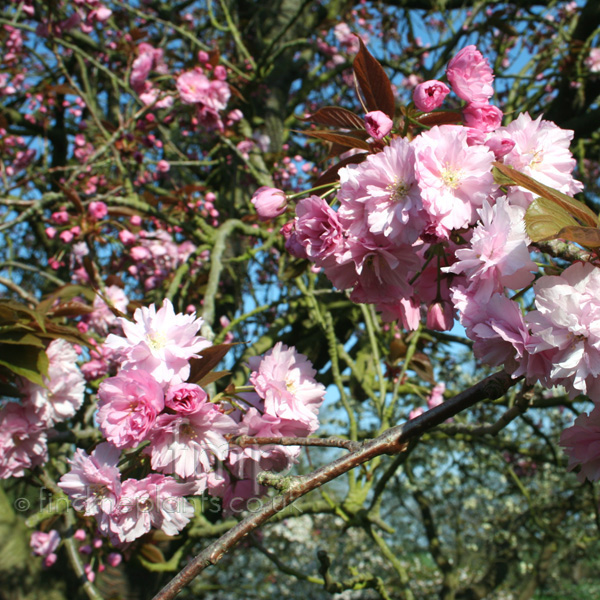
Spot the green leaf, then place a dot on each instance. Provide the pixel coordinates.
(544, 220)
(25, 361)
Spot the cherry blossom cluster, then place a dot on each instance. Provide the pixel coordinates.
(150, 406)
(420, 226)
(24, 425)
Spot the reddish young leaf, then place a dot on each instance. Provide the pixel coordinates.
(588, 237)
(374, 84)
(350, 140)
(336, 117)
(209, 359)
(331, 175)
(443, 117)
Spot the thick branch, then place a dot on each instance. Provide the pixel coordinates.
(391, 442)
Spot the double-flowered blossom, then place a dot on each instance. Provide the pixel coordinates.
(454, 177)
(541, 150)
(582, 444)
(94, 483)
(566, 328)
(187, 443)
(470, 75)
(284, 379)
(62, 395)
(430, 95)
(155, 501)
(498, 256)
(128, 406)
(159, 342)
(23, 440)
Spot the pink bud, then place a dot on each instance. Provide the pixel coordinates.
(98, 210)
(440, 316)
(269, 202)
(378, 124)
(482, 116)
(163, 166)
(430, 95)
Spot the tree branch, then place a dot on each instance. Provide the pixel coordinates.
(393, 441)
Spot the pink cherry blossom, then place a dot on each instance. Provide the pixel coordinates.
(470, 75)
(159, 342)
(98, 210)
(566, 324)
(44, 544)
(498, 256)
(582, 443)
(378, 124)
(155, 501)
(482, 116)
(23, 441)
(541, 151)
(128, 406)
(94, 482)
(102, 320)
(381, 195)
(430, 95)
(285, 380)
(62, 394)
(185, 398)
(187, 444)
(454, 178)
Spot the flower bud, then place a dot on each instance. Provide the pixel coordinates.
(269, 202)
(430, 95)
(378, 124)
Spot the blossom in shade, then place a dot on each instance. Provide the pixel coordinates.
(62, 395)
(23, 441)
(187, 444)
(378, 124)
(430, 95)
(582, 444)
(269, 202)
(284, 379)
(498, 256)
(102, 320)
(470, 75)
(566, 324)
(319, 231)
(155, 501)
(159, 342)
(437, 395)
(128, 406)
(94, 482)
(44, 544)
(497, 329)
